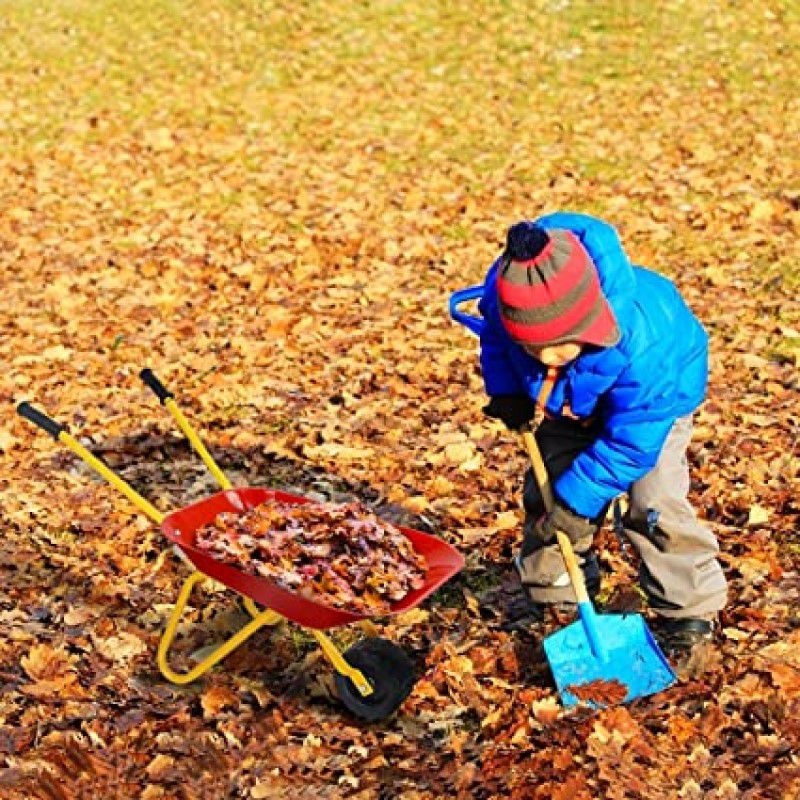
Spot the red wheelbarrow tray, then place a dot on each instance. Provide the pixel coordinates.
(442, 560)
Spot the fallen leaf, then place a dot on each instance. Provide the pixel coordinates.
(57, 353)
(460, 452)
(508, 520)
(44, 661)
(160, 767)
(338, 452)
(7, 441)
(159, 139)
(216, 698)
(546, 711)
(120, 648)
(758, 515)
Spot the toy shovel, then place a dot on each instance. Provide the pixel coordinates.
(602, 659)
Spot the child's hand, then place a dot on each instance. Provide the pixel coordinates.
(579, 530)
(514, 410)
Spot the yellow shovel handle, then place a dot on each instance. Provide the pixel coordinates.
(539, 469)
(543, 481)
(575, 572)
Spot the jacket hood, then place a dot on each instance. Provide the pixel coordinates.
(601, 241)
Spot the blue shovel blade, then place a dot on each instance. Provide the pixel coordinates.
(632, 657)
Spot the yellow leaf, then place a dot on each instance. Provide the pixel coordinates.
(520, 736)
(77, 616)
(472, 464)
(159, 139)
(441, 487)
(7, 441)
(120, 648)
(716, 276)
(435, 459)
(753, 361)
(471, 536)
(507, 521)
(758, 515)
(159, 767)
(446, 437)
(735, 634)
(338, 452)
(396, 494)
(460, 665)
(57, 353)
(417, 504)
(459, 452)
(491, 719)
(705, 154)
(763, 211)
(759, 420)
(414, 616)
(19, 214)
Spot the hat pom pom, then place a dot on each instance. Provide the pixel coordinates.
(525, 241)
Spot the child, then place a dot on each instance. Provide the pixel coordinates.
(632, 367)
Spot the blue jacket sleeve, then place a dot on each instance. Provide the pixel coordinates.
(499, 376)
(627, 448)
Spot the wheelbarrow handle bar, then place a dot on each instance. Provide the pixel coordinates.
(41, 419)
(160, 391)
(164, 395)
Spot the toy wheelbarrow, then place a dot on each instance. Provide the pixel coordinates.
(373, 676)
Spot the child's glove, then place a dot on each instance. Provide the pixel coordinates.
(514, 410)
(579, 530)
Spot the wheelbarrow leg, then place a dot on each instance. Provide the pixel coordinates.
(330, 649)
(259, 620)
(254, 612)
(340, 664)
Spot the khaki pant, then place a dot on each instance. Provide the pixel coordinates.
(679, 570)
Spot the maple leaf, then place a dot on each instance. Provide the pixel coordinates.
(52, 672)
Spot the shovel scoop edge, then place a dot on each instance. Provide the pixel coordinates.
(633, 659)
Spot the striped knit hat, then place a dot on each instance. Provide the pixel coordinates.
(549, 292)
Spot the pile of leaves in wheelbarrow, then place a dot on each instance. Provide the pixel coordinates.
(338, 554)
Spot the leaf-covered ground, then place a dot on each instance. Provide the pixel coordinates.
(269, 204)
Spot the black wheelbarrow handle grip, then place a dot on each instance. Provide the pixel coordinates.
(41, 419)
(161, 391)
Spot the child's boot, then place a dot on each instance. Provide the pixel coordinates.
(520, 610)
(686, 642)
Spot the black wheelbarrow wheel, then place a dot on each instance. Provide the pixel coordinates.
(388, 670)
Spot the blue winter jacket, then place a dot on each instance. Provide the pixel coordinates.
(656, 373)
